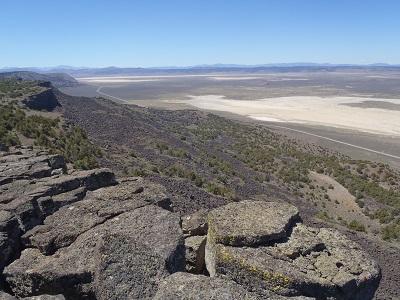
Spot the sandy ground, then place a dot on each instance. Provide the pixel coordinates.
(313, 110)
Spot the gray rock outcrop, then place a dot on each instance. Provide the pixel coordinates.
(29, 192)
(64, 226)
(82, 234)
(257, 245)
(95, 263)
(85, 235)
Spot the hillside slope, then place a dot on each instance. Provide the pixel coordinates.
(204, 161)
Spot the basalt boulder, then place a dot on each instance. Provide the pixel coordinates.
(64, 226)
(71, 270)
(270, 252)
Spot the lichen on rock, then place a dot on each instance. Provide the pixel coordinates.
(286, 258)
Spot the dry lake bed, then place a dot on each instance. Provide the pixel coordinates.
(357, 113)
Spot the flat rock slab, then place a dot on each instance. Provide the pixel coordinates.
(63, 227)
(250, 223)
(5, 296)
(28, 165)
(70, 271)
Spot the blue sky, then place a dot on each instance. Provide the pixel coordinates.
(190, 32)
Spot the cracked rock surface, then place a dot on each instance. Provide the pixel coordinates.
(64, 226)
(71, 270)
(82, 234)
(33, 186)
(320, 263)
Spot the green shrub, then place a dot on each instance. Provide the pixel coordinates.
(219, 189)
(384, 215)
(180, 153)
(323, 215)
(139, 172)
(391, 232)
(357, 226)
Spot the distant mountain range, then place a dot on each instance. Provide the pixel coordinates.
(198, 69)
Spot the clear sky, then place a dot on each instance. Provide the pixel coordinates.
(190, 32)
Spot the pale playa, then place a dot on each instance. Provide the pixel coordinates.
(327, 111)
(127, 79)
(117, 80)
(233, 78)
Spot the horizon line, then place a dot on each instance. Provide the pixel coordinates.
(221, 65)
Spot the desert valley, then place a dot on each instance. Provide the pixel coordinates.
(200, 150)
(328, 154)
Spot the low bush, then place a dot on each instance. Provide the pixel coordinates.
(357, 226)
(391, 232)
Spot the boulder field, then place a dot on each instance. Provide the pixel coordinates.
(68, 234)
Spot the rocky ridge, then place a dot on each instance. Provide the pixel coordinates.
(68, 234)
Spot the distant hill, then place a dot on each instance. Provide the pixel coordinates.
(202, 69)
(57, 79)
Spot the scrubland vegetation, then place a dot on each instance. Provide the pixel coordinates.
(217, 142)
(12, 88)
(277, 159)
(16, 125)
